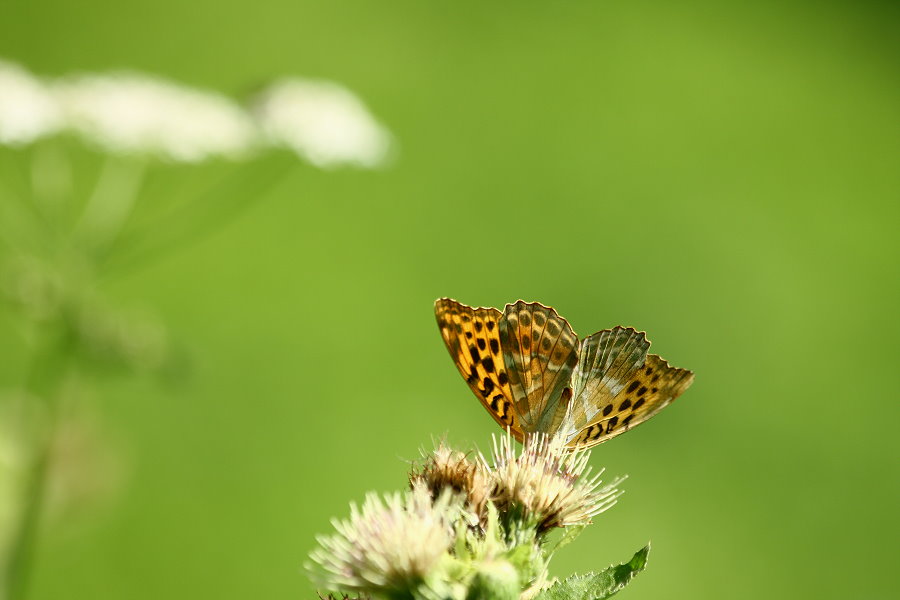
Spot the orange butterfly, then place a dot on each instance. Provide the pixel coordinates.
(532, 373)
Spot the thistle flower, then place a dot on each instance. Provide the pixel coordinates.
(129, 113)
(27, 109)
(390, 545)
(448, 469)
(546, 484)
(322, 122)
(423, 545)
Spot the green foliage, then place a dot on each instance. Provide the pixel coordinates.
(600, 585)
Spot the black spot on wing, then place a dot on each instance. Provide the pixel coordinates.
(473, 375)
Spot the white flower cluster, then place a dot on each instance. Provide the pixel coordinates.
(130, 113)
(322, 122)
(28, 110)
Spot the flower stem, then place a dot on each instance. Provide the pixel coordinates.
(194, 220)
(43, 382)
(111, 203)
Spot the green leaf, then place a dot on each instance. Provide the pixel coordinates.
(568, 536)
(597, 586)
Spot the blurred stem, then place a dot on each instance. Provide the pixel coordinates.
(109, 206)
(51, 184)
(221, 205)
(43, 381)
(18, 229)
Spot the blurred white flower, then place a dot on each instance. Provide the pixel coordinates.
(140, 114)
(27, 109)
(322, 122)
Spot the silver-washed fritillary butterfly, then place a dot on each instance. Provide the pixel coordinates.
(532, 373)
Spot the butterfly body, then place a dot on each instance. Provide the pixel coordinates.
(532, 373)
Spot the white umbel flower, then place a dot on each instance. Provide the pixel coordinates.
(28, 110)
(547, 483)
(323, 123)
(388, 544)
(129, 113)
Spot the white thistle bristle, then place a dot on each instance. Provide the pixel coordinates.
(388, 543)
(446, 469)
(553, 485)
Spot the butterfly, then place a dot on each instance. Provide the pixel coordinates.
(533, 374)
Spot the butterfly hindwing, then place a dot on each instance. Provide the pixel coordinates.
(606, 362)
(539, 351)
(472, 337)
(647, 390)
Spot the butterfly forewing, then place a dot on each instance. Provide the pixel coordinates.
(539, 351)
(472, 337)
(647, 390)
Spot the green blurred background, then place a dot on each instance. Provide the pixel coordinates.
(724, 177)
